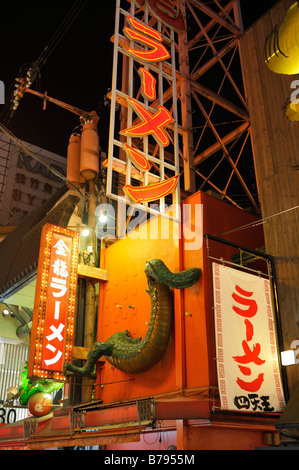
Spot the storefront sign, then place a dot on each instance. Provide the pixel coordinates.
(151, 123)
(55, 300)
(151, 53)
(246, 349)
(153, 191)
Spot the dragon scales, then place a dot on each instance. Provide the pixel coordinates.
(135, 355)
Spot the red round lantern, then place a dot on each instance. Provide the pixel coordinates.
(40, 404)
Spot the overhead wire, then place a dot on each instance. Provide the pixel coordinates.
(69, 19)
(259, 221)
(61, 31)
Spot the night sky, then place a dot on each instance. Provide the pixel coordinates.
(78, 71)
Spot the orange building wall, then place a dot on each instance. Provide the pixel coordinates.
(218, 217)
(125, 261)
(189, 359)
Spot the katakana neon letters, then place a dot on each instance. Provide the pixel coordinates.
(152, 123)
(60, 286)
(153, 191)
(157, 51)
(148, 81)
(140, 161)
(56, 334)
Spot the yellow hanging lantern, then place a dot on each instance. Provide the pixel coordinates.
(282, 45)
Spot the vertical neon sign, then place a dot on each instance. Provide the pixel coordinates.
(55, 301)
(150, 53)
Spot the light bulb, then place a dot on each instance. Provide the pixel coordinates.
(103, 218)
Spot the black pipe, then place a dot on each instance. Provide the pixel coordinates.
(76, 385)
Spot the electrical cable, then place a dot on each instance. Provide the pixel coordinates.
(36, 66)
(9, 93)
(61, 31)
(258, 222)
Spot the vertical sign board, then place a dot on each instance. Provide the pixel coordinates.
(152, 53)
(55, 301)
(247, 358)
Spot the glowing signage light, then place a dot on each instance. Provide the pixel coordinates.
(148, 84)
(147, 48)
(153, 191)
(156, 54)
(151, 123)
(139, 160)
(54, 306)
(157, 51)
(145, 29)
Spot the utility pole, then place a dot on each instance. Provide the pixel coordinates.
(90, 294)
(89, 168)
(86, 167)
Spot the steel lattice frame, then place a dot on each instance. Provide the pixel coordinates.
(207, 98)
(220, 140)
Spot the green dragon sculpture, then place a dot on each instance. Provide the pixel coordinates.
(135, 355)
(28, 388)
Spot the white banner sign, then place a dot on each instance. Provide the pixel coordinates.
(247, 361)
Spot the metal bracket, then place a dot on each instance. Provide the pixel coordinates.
(146, 412)
(30, 426)
(77, 421)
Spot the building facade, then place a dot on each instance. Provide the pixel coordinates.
(25, 183)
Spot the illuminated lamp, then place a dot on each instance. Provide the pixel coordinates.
(140, 161)
(292, 111)
(103, 217)
(40, 404)
(5, 312)
(150, 124)
(84, 230)
(282, 46)
(288, 357)
(151, 192)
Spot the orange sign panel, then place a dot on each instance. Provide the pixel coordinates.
(55, 301)
(151, 124)
(148, 84)
(157, 51)
(140, 161)
(152, 192)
